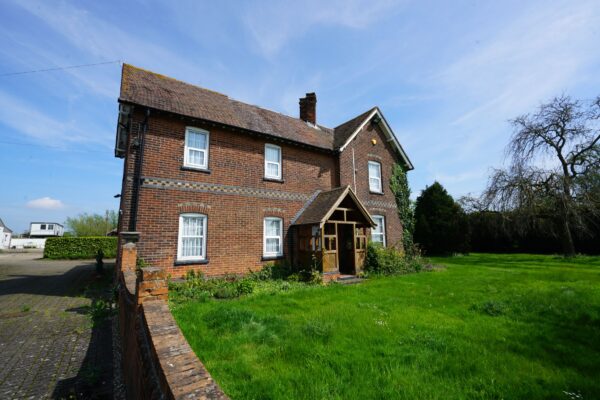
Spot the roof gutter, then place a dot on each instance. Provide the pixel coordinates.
(237, 128)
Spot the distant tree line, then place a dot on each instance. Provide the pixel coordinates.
(92, 224)
(546, 201)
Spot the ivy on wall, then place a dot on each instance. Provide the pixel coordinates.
(399, 186)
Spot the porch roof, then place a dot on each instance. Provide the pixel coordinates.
(321, 208)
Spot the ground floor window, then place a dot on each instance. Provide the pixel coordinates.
(273, 237)
(378, 233)
(192, 237)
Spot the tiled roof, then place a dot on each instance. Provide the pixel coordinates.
(160, 92)
(318, 211)
(157, 91)
(345, 130)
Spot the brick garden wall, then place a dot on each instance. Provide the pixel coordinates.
(158, 363)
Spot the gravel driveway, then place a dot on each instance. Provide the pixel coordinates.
(49, 345)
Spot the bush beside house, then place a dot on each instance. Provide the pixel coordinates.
(80, 247)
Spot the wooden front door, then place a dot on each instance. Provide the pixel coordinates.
(330, 248)
(360, 248)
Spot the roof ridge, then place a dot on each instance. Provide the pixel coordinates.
(175, 79)
(277, 112)
(365, 113)
(224, 95)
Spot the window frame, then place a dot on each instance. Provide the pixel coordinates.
(201, 257)
(379, 178)
(186, 148)
(50, 227)
(279, 163)
(42, 227)
(382, 233)
(267, 254)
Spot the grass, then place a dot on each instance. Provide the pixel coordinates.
(487, 327)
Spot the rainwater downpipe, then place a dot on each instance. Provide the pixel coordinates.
(137, 178)
(353, 170)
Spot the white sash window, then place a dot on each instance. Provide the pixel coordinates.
(272, 161)
(375, 177)
(192, 237)
(273, 237)
(378, 233)
(196, 148)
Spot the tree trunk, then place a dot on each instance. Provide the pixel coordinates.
(567, 238)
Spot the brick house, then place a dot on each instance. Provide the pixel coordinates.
(215, 184)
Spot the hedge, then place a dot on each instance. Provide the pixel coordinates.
(80, 247)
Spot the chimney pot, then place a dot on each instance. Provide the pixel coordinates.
(308, 108)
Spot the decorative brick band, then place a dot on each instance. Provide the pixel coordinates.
(163, 183)
(381, 204)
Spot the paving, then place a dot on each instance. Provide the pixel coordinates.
(50, 347)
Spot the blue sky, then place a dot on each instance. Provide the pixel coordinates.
(447, 75)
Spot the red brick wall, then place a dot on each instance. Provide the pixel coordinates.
(234, 159)
(384, 153)
(235, 222)
(234, 229)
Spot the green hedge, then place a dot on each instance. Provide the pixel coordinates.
(80, 247)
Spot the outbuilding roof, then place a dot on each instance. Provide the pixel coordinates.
(6, 228)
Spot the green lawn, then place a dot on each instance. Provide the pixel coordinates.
(487, 327)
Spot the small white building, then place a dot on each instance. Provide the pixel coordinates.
(5, 236)
(45, 229)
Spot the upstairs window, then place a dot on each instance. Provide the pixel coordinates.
(273, 237)
(192, 237)
(378, 233)
(272, 161)
(196, 148)
(375, 177)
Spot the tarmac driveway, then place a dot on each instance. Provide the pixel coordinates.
(49, 345)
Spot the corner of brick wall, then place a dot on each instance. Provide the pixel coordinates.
(157, 360)
(181, 373)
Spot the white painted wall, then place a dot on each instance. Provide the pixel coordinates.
(45, 229)
(36, 243)
(4, 238)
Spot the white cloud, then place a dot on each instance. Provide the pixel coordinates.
(24, 118)
(538, 56)
(274, 24)
(46, 203)
(104, 41)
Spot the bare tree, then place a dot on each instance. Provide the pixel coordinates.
(554, 168)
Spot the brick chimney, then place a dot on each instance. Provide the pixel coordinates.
(308, 108)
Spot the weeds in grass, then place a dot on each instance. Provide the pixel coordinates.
(489, 327)
(491, 307)
(389, 261)
(25, 308)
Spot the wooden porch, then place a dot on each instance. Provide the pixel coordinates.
(331, 234)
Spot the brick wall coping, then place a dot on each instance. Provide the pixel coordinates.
(181, 373)
(129, 278)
